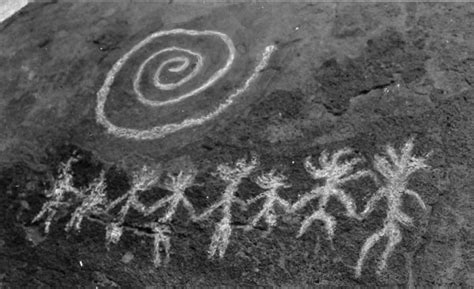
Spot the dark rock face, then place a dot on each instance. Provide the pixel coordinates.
(356, 77)
(387, 59)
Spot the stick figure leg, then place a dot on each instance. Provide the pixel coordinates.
(308, 221)
(394, 237)
(369, 243)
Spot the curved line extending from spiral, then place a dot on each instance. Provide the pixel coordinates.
(163, 130)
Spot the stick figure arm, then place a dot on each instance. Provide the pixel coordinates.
(347, 202)
(403, 218)
(312, 170)
(254, 199)
(115, 202)
(43, 211)
(137, 205)
(360, 174)
(370, 206)
(187, 204)
(158, 204)
(284, 203)
(209, 211)
(417, 197)
(305, 199)
(300, 203)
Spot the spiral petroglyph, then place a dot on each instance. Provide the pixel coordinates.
(176, 64)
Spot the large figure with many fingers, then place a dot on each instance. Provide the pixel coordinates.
(396, 173)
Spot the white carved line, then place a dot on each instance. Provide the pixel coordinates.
(161, 239)
(163, 130)
(143, 180)
(271, 182)
(56, 195)
(233, 176)
(177, 185)
(396, 172)
(93, 202)
(335, 174)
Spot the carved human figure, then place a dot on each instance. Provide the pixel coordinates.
(93, 202)
(271, 182)
(142, 180)
(335, 174)
(177, 186)
(233, 176)
(57, 195)
(396, 171)
(161, 241)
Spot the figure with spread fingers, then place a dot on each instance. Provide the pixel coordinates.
(396, 170)
(271, 182)
(335, 173)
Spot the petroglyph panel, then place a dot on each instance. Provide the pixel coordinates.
(396, 172)
(237, 145)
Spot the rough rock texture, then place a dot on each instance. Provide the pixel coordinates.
(343, 75)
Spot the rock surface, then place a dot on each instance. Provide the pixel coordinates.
(343, 75)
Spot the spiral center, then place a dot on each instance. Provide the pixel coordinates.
(182, 64)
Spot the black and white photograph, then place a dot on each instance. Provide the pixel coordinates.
(236, 144)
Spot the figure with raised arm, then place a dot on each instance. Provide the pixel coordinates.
(271, 182)
(143, 180)
(336, 174)
(396, 171)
